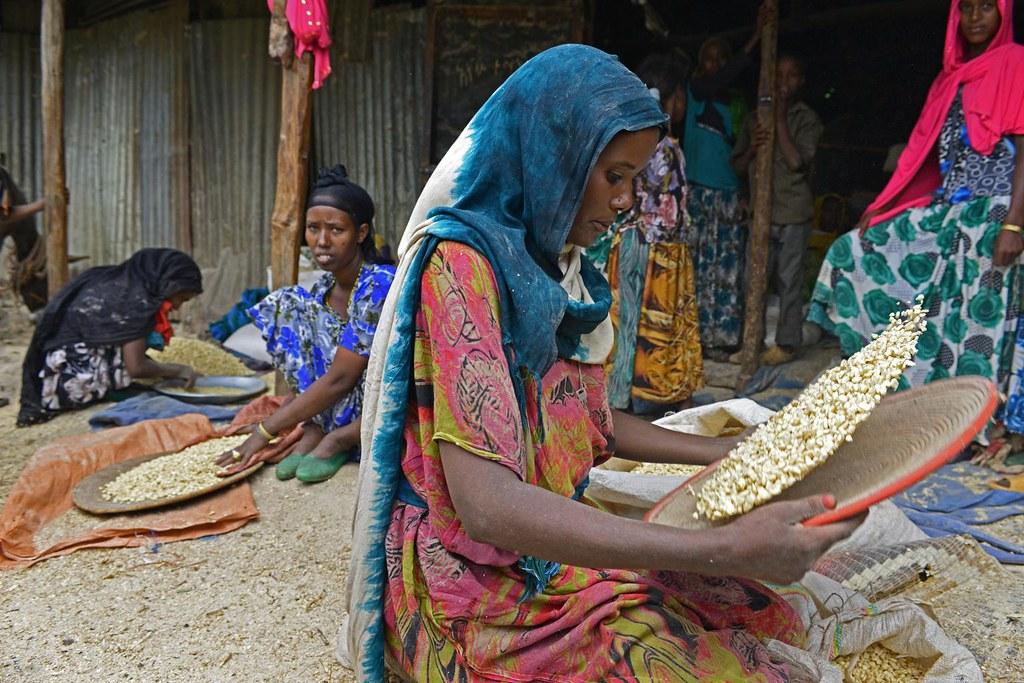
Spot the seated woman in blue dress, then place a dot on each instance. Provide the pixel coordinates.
(320, 339)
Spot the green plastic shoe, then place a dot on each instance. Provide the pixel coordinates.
(313, 469)
(286, 468)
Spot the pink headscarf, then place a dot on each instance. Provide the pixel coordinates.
(993, 85)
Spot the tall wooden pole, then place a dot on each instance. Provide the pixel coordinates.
(288, 218)
(757, 247)
(55, 191)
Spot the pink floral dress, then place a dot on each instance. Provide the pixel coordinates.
(459, 610)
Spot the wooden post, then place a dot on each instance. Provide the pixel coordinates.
(292, 171)
(288, 219)
(757, 247)
(180, 133)
(55, 192)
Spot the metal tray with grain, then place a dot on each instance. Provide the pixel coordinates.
(905, 438)
(244, 388)
(88, 495)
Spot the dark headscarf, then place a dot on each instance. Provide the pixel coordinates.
(104, 306)
(334, 188)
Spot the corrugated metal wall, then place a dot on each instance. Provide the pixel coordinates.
(20, 119)
(236, 113)
(369, 116)
(120, 82)
(171, 130)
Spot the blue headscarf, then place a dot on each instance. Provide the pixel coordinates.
(510, 188)
(532, 147)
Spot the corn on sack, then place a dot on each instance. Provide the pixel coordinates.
(878, 664)
(801, 436)
(667, 469)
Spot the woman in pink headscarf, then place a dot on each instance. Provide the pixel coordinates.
(948, 225)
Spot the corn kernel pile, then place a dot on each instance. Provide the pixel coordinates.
(878, 664)
(667, 470)
(806, 432)
(191, 469)
(204, 357)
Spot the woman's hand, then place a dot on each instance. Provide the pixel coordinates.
(244, 456)
(183, 372)
(770, 544)
(1009, 245)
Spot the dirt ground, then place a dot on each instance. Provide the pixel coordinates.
(259, 604)
(262, 603)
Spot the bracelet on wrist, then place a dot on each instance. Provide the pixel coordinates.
(264, 432)
(1010, 227)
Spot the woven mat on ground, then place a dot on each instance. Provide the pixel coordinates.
(956, 499)
(977, 601)
(39, 520)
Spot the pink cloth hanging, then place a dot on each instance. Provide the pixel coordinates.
(310, 28)
(993, 84)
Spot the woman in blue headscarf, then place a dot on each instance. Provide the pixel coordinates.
(485, 409)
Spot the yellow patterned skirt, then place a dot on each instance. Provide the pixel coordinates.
(657, 355)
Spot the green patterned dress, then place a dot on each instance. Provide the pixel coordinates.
(943, 252)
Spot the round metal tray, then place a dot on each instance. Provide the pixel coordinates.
(247, 388)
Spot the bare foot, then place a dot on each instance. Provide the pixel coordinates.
(311, 437)
(329, 445)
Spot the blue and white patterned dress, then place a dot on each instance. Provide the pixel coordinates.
(303, 333)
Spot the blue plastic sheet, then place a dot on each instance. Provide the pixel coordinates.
(944, 504)
(154, 406)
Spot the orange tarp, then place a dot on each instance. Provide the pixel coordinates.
(43, 491)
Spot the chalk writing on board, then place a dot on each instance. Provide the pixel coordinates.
(473, 54)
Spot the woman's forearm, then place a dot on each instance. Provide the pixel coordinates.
(638, 439)
(149, 368)
(1016, 212)
(497, 508)
(339, 381)
(345, 372)
(22, 211)
(563, 530)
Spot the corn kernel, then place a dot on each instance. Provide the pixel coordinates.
(878, 664)
(667, 470)
(808, 430)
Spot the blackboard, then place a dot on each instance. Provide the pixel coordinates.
(472, 49)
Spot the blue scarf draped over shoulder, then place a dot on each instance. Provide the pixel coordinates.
(516, 178)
